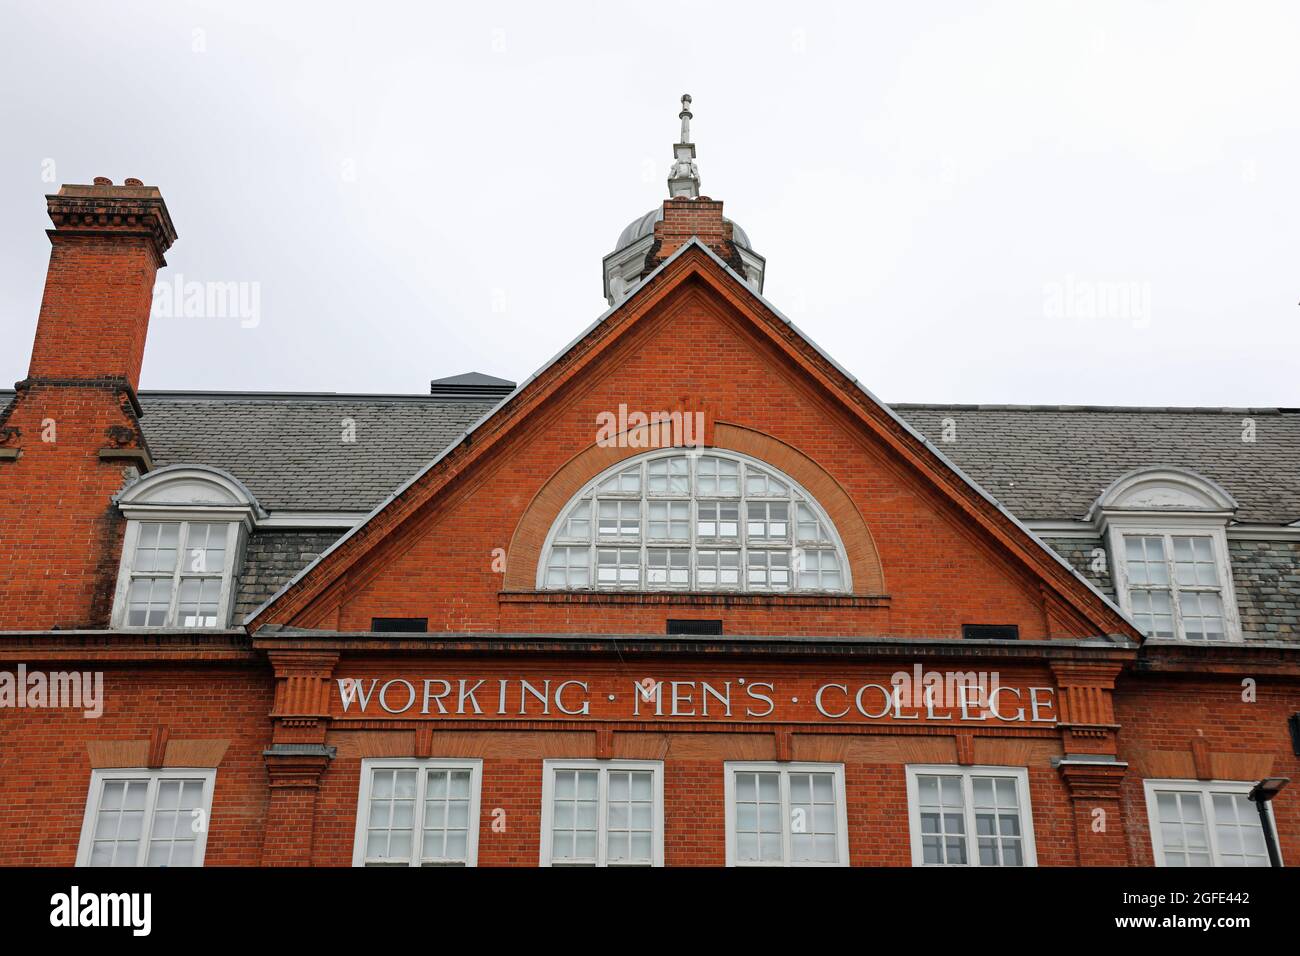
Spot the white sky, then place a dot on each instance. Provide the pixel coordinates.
(937, 187)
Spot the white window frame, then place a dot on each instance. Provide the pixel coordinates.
(1167, 501)
(189, 494)
(95, 793)
(1206, 788)
(550, 766)
(371, 764)
(235, 539)
(784, 769)
(741, 543)
(1019, 774)
(1119, 530)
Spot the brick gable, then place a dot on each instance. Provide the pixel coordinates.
(694, 337)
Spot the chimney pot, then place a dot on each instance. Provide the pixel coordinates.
(103, 181)
(132, 182)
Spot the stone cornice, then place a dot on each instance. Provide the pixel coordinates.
(273, 639)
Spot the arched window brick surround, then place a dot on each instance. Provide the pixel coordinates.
(533, 528)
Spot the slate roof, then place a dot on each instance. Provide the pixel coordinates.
(1042, 462)
(1051, 462)
(289, 449)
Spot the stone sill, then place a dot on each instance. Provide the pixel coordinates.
(678, 599)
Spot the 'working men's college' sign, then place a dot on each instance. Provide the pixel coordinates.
(917, 695)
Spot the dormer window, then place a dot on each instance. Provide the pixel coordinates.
(186, 527)
(673, 521)
(1168, 543)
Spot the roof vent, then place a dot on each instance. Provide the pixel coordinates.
(990, 632)
(471, 387)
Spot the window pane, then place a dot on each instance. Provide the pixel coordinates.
(574, 818)
(205, 549)
(630, 817)
(718, 569)
(391, 826)
(668, 476)
(619, 518)
(198, 601)
(997, 821)
(148, 602)
(626, 482)
(812, 818)
(446, 816)
(941, 813)
(718, 520)
(618, 567)
(1237, 831)
(718, 476)
(758, 817)
(667, 567)
(1202, 615)
(156, 546)
(577, 526)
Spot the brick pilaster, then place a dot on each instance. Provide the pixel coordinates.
(298, 755)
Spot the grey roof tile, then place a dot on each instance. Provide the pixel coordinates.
(1051, 462)
(291, 451)
(1041, 462)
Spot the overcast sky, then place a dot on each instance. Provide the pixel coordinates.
(962, 202)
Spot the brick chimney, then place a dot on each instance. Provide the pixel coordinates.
(700, 217)
(108, 244)
(71, 436)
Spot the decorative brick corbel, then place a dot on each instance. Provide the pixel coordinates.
(1085, 706)
(157, 754)
(302, 685)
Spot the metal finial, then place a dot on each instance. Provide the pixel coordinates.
(684, 176)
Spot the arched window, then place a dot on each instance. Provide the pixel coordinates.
(690, 521)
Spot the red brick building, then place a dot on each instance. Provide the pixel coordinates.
(690, 595)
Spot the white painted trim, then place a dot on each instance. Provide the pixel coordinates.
(1209, 496)
(732, 767)
(97, 777)
(1051, 528)
(312, 519)
(1152, 785)
(1263, 532)
(137, 493)
(370, 764)
(656, 768)
(1063, 529)
(1019, 774)
(1184, 525)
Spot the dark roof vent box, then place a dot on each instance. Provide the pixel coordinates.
(990, 632)
(471, 387)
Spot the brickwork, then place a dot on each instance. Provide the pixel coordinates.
(262, 707)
